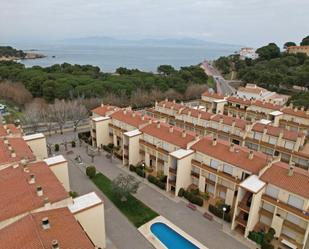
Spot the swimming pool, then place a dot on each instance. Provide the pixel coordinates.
(170, 238)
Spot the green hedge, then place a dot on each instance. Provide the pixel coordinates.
(181, 192)
(193, 198)
(140, 172)
(132, 168)
(156, 182)
(257, 237)
(219, 213)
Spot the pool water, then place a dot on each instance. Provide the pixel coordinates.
(170, 238)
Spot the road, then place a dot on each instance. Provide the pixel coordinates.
(222, 85)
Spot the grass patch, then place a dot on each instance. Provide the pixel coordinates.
(136, 211)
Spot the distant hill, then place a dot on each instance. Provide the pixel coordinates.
(105, 40)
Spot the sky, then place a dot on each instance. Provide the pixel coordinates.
(243, 22)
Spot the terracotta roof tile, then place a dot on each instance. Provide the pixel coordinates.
(239, 100)
(212, 95)
(22, 196)
(173, 137)
(197, 113)
(171, 105)
(240, 123)
(135, 119)
(267, 105)
(13, 129)
(293, 112)
(28, 233)
(256, 90)
(238, 158)
(19, 146)
(298, 183)
(276, 131)
(104, 110)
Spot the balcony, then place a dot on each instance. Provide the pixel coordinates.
(94, 130)
(142, 152)
(243, 206)
(294, 227)
(173, 171)
(126, 147)
(266, 213)
(126, 156)
(161, 161)
(285, 206)
(172, 182)
(195, 174)
(241, 220)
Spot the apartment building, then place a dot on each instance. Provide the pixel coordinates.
(213, 102)
(219, 166)
(10, 130)
(279, 198)
(261, 135)
(298, 49)
(35, 204)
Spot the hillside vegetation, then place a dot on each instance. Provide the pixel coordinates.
(70, 81)
(274, 70)
(7, 51)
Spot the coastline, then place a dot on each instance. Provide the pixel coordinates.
(29, 56)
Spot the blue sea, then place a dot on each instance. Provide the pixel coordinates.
(109, 58)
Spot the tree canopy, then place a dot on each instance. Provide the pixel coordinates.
(305, 41)
(289, 44)
(70, 81)
(268, 52)
(7, 51)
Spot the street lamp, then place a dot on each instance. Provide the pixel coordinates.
(224, 210)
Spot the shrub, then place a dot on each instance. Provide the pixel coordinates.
(140, 172)
(193, 198)
(266, 245)
(181, 192)
(256, 237)
(73, 144)
(156, 181)
(163, 178)
(219, 213)
(56, 147)
(73, 194)
(132, 168)
(91, 171)
(195, 191)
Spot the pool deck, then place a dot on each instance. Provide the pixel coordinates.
(146, 232)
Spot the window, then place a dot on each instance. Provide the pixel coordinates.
(288, 233)
(257, 135)
(222, 195)
(226, 128)
(198, 157)
(265, 220)
(212, 177)
(293, 219)
(296, 202)
(210, 188)
(214, 164)
(228, 169)
(268, 207)
(289, 145)
(272, 140)
(272, 191)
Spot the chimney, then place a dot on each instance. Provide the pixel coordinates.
(4, 126)
(55, 244)
(46, 202)
(102, 104)
(171, 129)
(125, 111)
(9, 146)
(189, 113)
(143, 117)
(174, 101)
(214, 141)
(150, 121)
(183, 134)
(158, 125)
(221, 119)
(133, 114)
(6, 141)
(291, 169)
(199, 115)
(13, 154)
(15, 166)
(265, 129)
(232, 147)
(156, 103)
(32, 179)
(302, 108)
(39, 191)
(251, 154)
(295, 109)
(45, 223)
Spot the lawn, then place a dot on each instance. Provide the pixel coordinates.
(136, 211)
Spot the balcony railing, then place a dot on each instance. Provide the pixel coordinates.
(172, 182)
(241, 221)
(195, 174)
(243, 206)
(173, 170)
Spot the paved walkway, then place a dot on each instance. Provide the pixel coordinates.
(122, 233)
